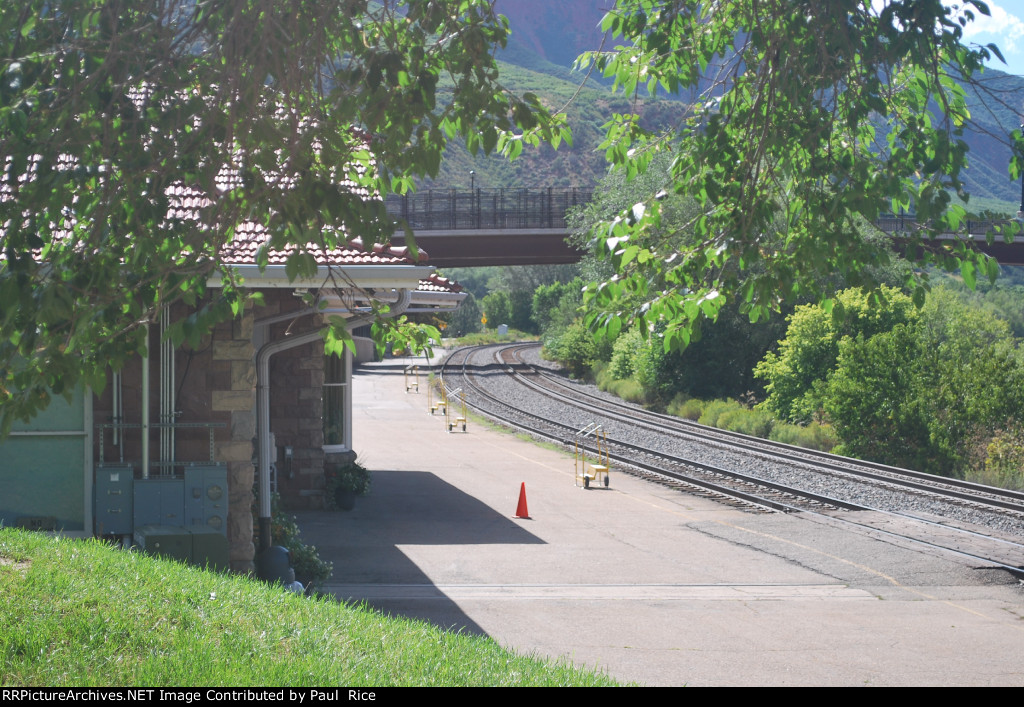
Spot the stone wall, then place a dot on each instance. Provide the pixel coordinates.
(234, 394)
(214, 383)
(296, 405)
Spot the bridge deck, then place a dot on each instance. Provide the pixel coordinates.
(460, 228)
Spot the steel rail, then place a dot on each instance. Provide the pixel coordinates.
(629, 459)
(770, 449)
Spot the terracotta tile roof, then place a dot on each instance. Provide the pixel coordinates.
(436, 283)
(186, 203)
(251, 236)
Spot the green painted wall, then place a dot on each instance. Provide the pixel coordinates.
(45, 475)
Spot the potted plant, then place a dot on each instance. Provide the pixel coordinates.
(344, 483)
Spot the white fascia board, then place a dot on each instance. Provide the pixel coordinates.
(441, 300)
(362, 276)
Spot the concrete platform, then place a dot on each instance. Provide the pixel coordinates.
(646, 583)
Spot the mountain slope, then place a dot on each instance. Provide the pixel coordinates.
(548, 36)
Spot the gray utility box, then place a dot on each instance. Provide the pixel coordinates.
(210, 548)
(113, 495)
(199, 546)
(159, 501)
(206, 498)
(171, 542)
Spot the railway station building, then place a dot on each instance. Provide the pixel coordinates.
(179, 436)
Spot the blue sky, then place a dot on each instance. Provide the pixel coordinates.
(1004, 27)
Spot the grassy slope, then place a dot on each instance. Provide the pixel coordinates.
(78, 613)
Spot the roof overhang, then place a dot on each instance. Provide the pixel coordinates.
(363, 277)
(436, 301)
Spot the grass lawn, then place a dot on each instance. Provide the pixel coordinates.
(79, 613)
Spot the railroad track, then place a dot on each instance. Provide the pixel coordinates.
(979, 522)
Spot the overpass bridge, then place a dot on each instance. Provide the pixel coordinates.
(477, 227)
(470, 227)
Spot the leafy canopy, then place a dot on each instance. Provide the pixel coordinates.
(108, 105)
(806, 118)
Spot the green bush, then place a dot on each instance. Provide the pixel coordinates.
(1004, 459)
(345, 477)
(624, 353)
(575, 349)
(732, 415)
(690, 408)
(715, 409)
(812, 436)
(630, 391)
(757, 423)
(284, 531)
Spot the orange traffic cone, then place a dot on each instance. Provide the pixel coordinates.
(521, 510)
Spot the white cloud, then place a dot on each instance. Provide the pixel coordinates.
(1006, 28)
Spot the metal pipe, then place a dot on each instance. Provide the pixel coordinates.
(171, 403)
(145, 408)
(263, 425)
(266, 350)
(263, 416)
(162, 373)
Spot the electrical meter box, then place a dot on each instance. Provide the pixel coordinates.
(113, 495)
(159, 501)
(206, 498)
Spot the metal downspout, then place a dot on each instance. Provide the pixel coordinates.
(263, 410)
(145, 409)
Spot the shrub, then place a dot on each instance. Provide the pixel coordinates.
(1004, 459)
(756, 423)
(630, 391)
(345, 477)
(715, 409)
(812, 436)
(624, 353)
(575, 349)
(284, 531)
(690, 408)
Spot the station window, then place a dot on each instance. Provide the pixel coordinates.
(337, 427)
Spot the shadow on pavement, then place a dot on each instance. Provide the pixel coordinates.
(404, 508)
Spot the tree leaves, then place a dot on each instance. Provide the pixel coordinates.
(137, 137)
(807, 121)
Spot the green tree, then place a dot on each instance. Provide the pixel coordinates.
(106, 105)
(923, 393)
(520, 304)
(719, 359)
(808, 119)
(465, 319)
(574, 348)
(498, 309)
(874, 399)
(796, 376)
(556, 306)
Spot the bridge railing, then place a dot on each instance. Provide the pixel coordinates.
(469, 209)
(900, 224)
(546, 208)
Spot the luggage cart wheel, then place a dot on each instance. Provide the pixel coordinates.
(606, 480)
(586, 482)
(463, 428)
